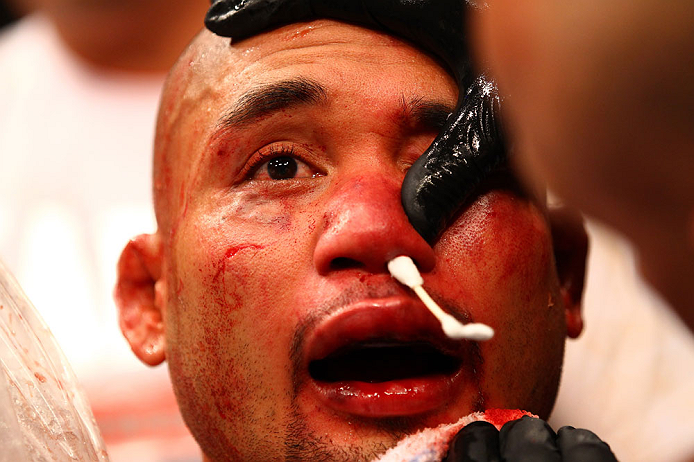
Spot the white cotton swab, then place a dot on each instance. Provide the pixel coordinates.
(404, 270)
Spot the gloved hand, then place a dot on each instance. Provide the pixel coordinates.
(526, 439)
(468, 149)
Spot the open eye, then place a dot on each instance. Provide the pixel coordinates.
(282, 168)
(281, 165)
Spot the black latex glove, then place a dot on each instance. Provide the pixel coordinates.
(527, 439)
(469, 147)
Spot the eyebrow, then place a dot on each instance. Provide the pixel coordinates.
(267, 99)
(425, 113)
(264, 100)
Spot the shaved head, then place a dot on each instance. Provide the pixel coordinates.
(182, 91)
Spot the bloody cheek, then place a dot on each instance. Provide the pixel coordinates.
(496, 254)
(229, 280)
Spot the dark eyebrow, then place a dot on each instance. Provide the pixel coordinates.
(426, 114)
(264, 100)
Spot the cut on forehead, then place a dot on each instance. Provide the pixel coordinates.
(212, 62)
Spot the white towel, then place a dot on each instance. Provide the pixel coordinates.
(431, 444)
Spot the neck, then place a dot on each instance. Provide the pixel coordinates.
(142, 36)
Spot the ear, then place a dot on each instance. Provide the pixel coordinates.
(570, 253)
(140, 297)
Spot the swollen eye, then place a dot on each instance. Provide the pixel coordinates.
(282, 168)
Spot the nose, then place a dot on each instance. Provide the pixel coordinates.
(365, 226)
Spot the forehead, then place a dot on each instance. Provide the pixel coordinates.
(214, 72)
(326, 49)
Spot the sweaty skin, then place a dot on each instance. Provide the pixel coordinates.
(251, 281)
(467, 150)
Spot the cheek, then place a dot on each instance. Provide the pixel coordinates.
(228, 312)
(497, 260)
(228, 254)
(228, 276)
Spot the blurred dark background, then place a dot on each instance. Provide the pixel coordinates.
(8, 14)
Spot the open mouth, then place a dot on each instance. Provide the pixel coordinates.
(384, 358)
(377, 361)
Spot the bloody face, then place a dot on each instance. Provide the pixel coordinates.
(279, 163)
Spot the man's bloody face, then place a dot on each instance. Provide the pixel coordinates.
(280, 165)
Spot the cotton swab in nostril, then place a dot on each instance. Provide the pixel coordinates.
(404, 270)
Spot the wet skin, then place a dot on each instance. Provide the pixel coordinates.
(253, 278)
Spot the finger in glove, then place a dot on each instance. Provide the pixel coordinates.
(528, 440)
(476, 442)
(580, 445)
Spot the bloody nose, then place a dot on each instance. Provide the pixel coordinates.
(365, 226)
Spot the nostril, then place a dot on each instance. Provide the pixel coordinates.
(343, 263)
(424, 265)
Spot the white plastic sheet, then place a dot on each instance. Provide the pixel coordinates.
(44, 415)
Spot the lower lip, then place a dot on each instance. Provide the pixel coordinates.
(397, 398)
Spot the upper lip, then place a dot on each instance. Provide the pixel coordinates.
(397, 319)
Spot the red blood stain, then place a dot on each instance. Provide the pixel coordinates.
(229, 254)
(223, 296)
(179, 286)
(182, 193)
(183, 200)
(298, 34)
(498, 417)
